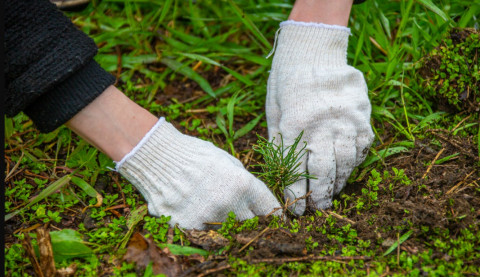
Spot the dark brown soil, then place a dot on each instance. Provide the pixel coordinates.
(447, 201)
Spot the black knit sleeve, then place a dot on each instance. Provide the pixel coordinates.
(49, 68)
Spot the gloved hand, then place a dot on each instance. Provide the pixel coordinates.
(192, 180)
(312, 88)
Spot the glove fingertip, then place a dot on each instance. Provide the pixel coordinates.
(293, 192)
(322, 204)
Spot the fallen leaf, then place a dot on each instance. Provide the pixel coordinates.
(133, 219)
(46, 253)
(28, 247)
(68, 244)
(209, 240)
(184, 250)
(142, 251)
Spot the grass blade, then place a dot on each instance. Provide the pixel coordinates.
(183, 250)
(8, 127)
(382, 154)
(89, 190)
(42, 195)
(402, 239)
(190, 73)
(467, 16)
(248, 127)
(249, 24)
(231, 112)
(164, 10)
(212, 62)
(221, 124)
(429, 5)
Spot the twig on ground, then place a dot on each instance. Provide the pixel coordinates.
(454, 144)
(433, 162)
(460, 183)
(26, 230)
(28, 173)
(213, 270)
(14, 168)
(460, 123)
(27, 246)
(196, 111)
(339, 217)
(115, 180)
(289, 204)
(309, 258)
(398, 248)
(254, 239)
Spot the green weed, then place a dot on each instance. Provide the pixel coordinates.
(158, 228)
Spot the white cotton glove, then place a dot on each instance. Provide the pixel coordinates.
(311, 88)
(192, 180)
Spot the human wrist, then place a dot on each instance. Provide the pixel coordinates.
(322, 11)
(112, 123)
(164, 144)
(308, 43)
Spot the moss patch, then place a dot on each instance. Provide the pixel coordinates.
(452, 71)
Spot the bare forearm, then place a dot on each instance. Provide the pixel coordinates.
(334, 12)
(113, 123)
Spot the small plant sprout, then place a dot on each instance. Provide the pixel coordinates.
(282, 163)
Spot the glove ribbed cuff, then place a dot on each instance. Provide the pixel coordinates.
(161, 148)
(153, 165)
(317, 44)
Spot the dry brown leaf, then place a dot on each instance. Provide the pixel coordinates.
(208, 240)
(142, 251)
(46, 253)
(27, 245)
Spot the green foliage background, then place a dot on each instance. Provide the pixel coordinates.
(151, 44)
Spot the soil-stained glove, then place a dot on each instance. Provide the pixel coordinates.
(312, 88)
(192, 180)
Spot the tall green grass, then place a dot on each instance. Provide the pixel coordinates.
(388, 40)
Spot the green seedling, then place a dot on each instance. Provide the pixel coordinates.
(396, 244)
(281, 166)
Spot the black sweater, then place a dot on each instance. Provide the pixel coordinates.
(49, 68)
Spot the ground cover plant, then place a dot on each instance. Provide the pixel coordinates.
(412, 208)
